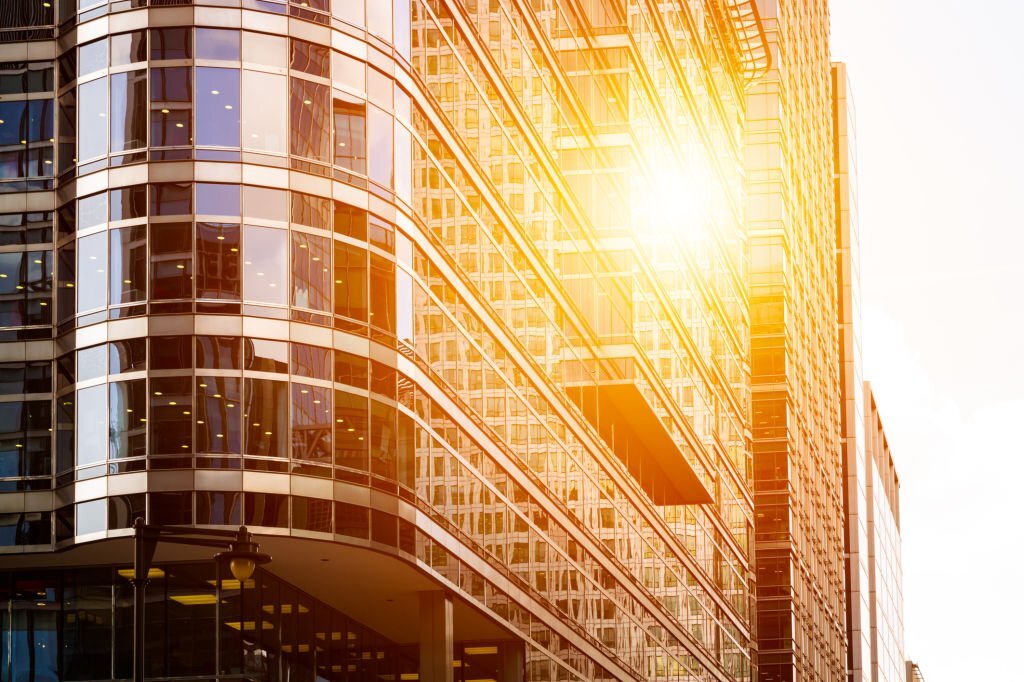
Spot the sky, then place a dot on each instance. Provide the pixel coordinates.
(940, 140)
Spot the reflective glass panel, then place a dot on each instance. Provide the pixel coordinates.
(311, 423)
(264, 111)
(311, 361)
(171, 108)
(219, 352)
(378, 18)
(266, 417)
(380, 127)
(350, 297)
(350, 429)
(92, 210)
(128, 48)
(170, 43)
(382, 293)
(127, 356)
(128, 202)
(310, 58)
(128, 265)
(171, 352)
(217, 112)
(310, 120)
(265, 203)
(92, 57)
(263, 355)
(383, 441)
(311, 271)
(265, 50)
(350, 134)
(128, 418)
(218, 415)
(91, 425)
(92, 119)
(127, 110)
(215, 43)
(218, 199)
(170, 415)
(265, 267)
(171, 260)
(92, 272)
(217, 260)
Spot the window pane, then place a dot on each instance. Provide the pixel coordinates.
(218, 199)
(127, 356)
(311, 210)
(92, 210)
(383, 441)
(219, 352)
(92, 272)
(170, 411)
(311, 423)
(266, 509)
(127, 110)
(92, 57)
(266, 417)
(350, 298)
(349, 221)
(91, 425)
(128, 419)
(171, 264)
(382, 293)
(224, 509)
(262, 355)
(265, 113)
(378, 18)
(127, 265)
(92, 362)
(217, 257)
(310, 120)
(213, 43)
(352, 11)
(311, 271)
(263, 49)
(171, 352)
(310, 513)
(92, 111)
(128, 48)
(350, 431)
(171, 43)
(265, 266)
(403, 164)
(171, 97)
(170, 198)
(310, 58)
(217, 98)
(311, 361)
(265, 203)
(379, 129)
(218, 415)
(349, 72)
(128, 202)
(350, 369)
(350, 134)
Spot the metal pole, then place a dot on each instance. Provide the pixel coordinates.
(139, 582)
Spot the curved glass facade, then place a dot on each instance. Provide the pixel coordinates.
(453, 290)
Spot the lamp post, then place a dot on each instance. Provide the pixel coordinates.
(241, 554)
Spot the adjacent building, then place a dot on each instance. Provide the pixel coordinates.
(448, 303)
(914, 672)
(874, 578)
(795, 360)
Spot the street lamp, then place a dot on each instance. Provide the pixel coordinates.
(242, 556)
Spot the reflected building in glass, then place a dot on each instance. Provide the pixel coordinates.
(795, 356)
(446, 301)
(874, 575)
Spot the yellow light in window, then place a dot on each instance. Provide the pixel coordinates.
(174, 402)
(216, 395)
(307, 101)
(220, 435)
(3, 276)
(480, 650)
(127, 281)
(179, 125)
(165, 111)
(228, 106)
(42, 303)
(48, 162)
(194, 599)
(220, 237)
(180, 266)
(200, 421)
(234, 250)
(302, 246)
(214, 92)
(129, 573)
(268, 433)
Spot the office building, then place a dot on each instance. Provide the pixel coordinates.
(445, 301)
(801, 624)
(914, 672)
(874, 579)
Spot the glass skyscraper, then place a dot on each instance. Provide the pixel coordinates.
(446, 301)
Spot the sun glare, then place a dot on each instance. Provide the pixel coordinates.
(670, 201)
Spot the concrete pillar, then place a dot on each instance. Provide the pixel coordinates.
(513, 661)
(437, 639)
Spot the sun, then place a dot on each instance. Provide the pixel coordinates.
(671, 199)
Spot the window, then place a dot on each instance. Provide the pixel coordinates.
(91, 425)
(170, 410)
(380, 128)
(128, 110)
(128, 419)
(217, 261)
(92, 57)
(92, 112)
(218, 415)
(311, 271)
(218, 352)
(262, 355)
(265, 268)
(127, 203)
(350, 295)
(311, 423)
(310, 513)
(264, 111)
(171, 352)
(378, 18)
(171, 106)
(311, 361)
(224, 509)
(266, 423)
(127, 356)
(382, 293)
(311, 210)
(265, 203)
(310, 122)
(350, 369)
(266, 509)
(92, 272)
(171, 260)
(265, 50)
(170, 43)
(350, 134)
(310, 58)
(217, 102)
(350, 429)
(92, 210)
(127, 265)
(221, 44)
(128, 48)
(170, 198)
(349, 221)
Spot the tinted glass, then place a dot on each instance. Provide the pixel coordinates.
(350, 428)
(350, 134)
(171, 108)
(127, 110)
(128, 265)
(310, 120)
(265, 267)
(310, 58)
(128, 418)
(171, 43)
(381, 148)
(127, 356)
(218, 415)
(91, 425)
(170, 415)
(128, 202)
(217, 261)
(350, 296)
(170, 352)
(264, 111)
(266, 417)
(266, 356)
(219, 352)
(213, 43)
(311, 423)
(311, 271)
(92, 272)
(218, 199)
(171, 260)
(128, 48)
(311, 361)
(217, 107)
(92, 111)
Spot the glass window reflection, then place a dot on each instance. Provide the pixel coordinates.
(266, 418)
(264, 111)
(350, 431)
(265, 267)
(92, 272)
(350, 295)
(380, 127)
(350, 134)
(217, 112)
(310, 120)
(311, 271)
(170, 415)
(171, 106)
(215, 43)
(218, 415)
(91, 425)
(92, 119)
(128, 419)
(128, 110)
(171, 260)
(127, 265)
(311, 423)
(217, 261)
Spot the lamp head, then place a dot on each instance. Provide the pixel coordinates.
(244, 556)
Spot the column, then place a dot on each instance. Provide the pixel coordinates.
(437, 638)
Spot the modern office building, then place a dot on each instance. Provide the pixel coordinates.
(874, 578)
(446, 301)
(801, 624)
(914, 672)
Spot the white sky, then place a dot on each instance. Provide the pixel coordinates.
(937, 86)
